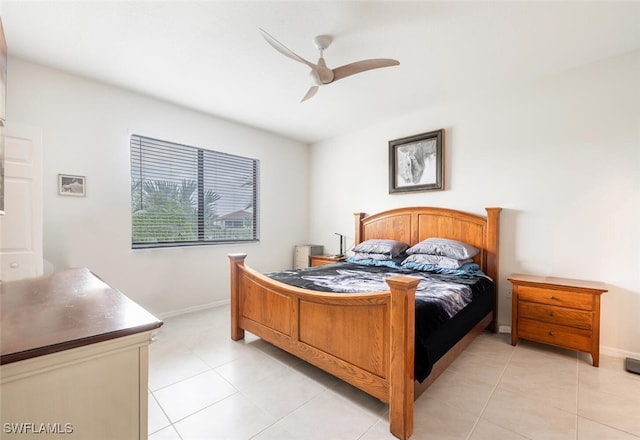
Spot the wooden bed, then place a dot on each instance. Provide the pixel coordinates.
(365, 339)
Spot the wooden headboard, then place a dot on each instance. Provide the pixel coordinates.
(414, 224)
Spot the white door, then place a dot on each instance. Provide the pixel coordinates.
(21, 226)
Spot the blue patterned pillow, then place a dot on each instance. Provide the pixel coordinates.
(393, 263)
(465, 269)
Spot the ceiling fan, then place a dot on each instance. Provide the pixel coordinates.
(320, 73)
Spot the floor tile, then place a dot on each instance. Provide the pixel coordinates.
(205, 386)
(191, 395)
(316, 374)
(496, 346)
(619, 412)
(527, 417)
(486, 430)
(171, 366)
(379, 431)
(481, 367)
(327, 416)
(282, 392)
(168, 433)
(610, 378)
(216, 351)
(590, 430)
(548, 378)
(254, 366)
(462, 391)
(234, 418)
(441, 420)
(157, 418)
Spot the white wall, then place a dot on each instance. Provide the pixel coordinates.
(86, 127)
(561, 156)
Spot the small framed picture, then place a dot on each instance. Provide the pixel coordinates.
(72, 185)
(416, 163)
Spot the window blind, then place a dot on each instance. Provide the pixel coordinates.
(183, 195)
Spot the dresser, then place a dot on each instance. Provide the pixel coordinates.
(557, 311)
(74, 359)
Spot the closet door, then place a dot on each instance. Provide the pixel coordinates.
(21, 225)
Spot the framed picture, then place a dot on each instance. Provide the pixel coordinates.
(72, 185)
(416, 163)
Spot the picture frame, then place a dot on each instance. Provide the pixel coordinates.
(70, 185)
(416, 163)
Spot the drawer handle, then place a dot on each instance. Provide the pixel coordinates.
(550, 313)
(551, 334)
(552, 297)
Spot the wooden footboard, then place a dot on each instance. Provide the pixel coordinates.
(366, 340)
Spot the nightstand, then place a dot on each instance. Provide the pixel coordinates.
(557, 311)
(319, 260)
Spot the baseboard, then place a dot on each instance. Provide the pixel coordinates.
(608, 351)
(192, 309)
(616, 352)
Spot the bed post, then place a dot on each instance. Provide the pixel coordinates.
(236, 261)
(401, 361)
(359, 232)
(492, 243)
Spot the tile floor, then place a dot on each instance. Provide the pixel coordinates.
(203, 386)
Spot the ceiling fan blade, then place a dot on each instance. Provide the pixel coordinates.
(284, 50)
(322, 72)
(362, 66)
(312, 91)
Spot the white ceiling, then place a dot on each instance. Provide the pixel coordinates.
(209, 55)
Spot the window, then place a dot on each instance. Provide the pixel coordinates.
(183, 195)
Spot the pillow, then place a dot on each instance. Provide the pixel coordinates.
(393, 263)
(364, 256)
(392, 248)
(445, 247)
(465, 269)
(436, 260)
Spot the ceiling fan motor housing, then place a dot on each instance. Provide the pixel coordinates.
(322, 42)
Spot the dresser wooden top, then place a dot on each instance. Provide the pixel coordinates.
(532, 280)
(64, 310)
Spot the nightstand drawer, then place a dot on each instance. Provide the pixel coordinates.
(556, 315)
(555, 297)
(320, 260)
(577, 339)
